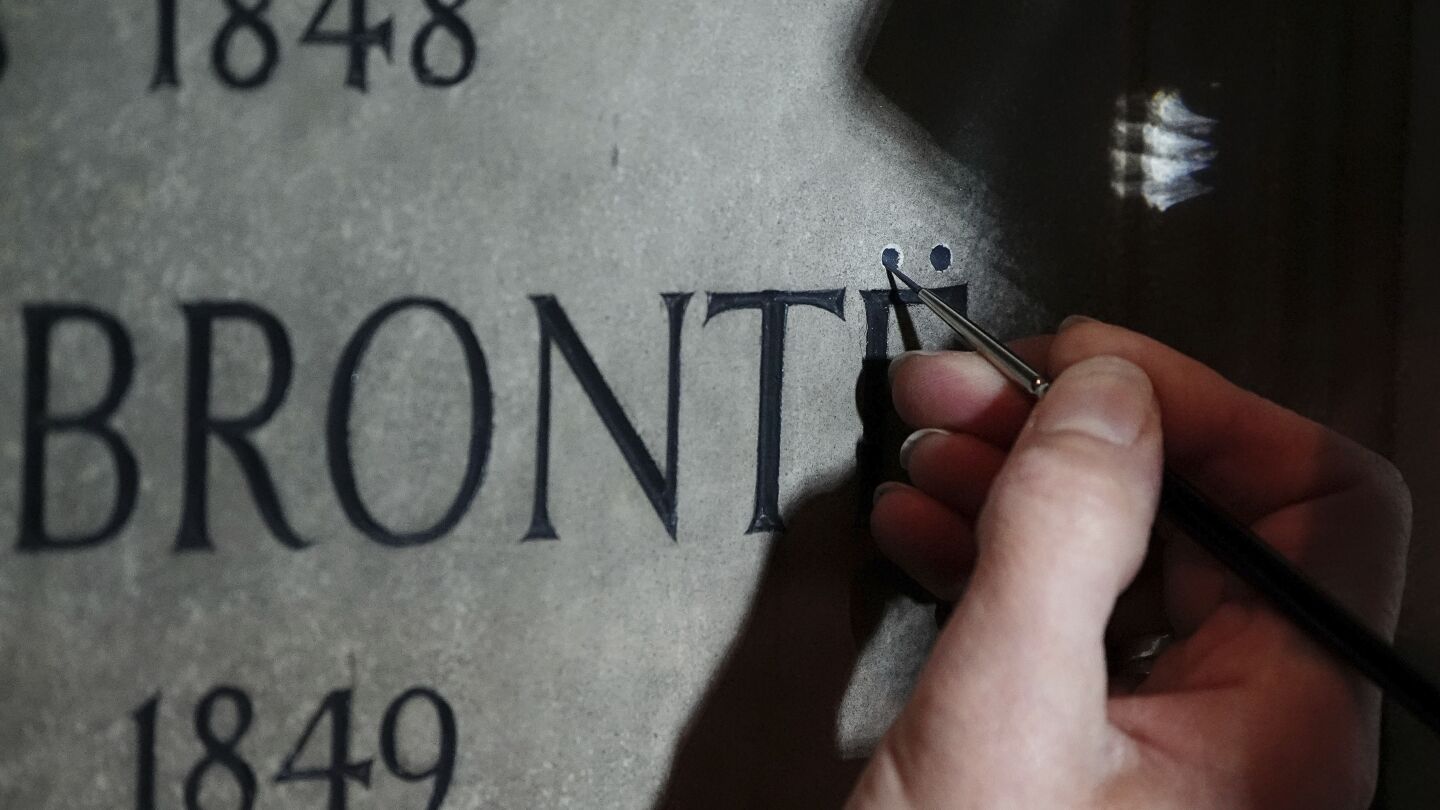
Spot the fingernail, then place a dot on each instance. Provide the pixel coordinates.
(901, 358)
(1103, 397)
(1074, 320)
(908, 446)
(887, 487)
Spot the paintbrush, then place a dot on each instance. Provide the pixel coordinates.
(1232, 543)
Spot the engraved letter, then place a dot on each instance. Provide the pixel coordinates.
(874, 388)
(40, 321)
(556, 330)
(337, 425)
(773, 307)
(201, 424)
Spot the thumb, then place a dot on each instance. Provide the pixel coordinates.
(1066, 527)
(1021, 664)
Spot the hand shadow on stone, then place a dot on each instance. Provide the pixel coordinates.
(767, 733)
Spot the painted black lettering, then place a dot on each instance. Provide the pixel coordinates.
(201, 424)
(337, 425)
(144, 718)
(439, 773)
(357, 38)
(874, 387)
(661, 488)
(444, 17)
(166, 73)
(341, 770)
(250, 19)
(221, 748)
(40, 322)
(774, 307)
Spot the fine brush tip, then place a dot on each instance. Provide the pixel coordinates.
(892, 258)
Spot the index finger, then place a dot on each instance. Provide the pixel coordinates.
(1325, 501)
(1248, 453)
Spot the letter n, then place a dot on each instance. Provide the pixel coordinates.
(660, 487)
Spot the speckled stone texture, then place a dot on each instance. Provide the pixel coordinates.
(600, 154)
(604, 154)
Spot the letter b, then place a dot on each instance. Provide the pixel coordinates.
(40, 322)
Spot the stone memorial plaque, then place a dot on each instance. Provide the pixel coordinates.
(459, 403)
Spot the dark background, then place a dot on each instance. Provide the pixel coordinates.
(1308, 274)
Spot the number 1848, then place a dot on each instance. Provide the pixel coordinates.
(247, 18)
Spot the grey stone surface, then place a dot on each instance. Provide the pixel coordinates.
(599, 153)
(605, 153)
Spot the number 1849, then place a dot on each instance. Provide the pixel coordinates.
(222, 760)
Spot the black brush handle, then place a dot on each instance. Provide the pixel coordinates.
(1290, 592)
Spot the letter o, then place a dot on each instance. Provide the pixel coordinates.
(337, 425)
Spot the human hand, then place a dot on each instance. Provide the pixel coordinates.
(1043, 518)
